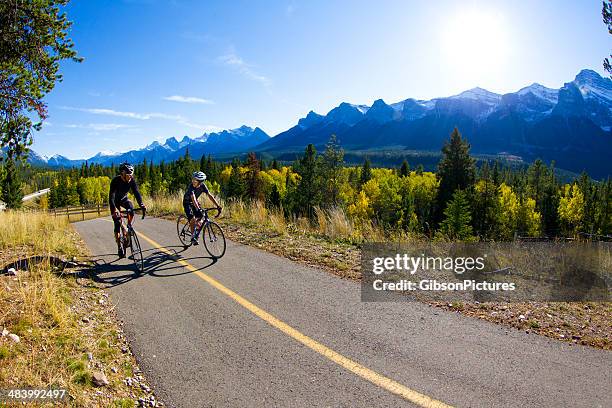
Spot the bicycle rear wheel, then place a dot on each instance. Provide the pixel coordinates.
(183, 230)
(136, 252)
(214, 239)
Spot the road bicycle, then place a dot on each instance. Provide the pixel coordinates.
(212, 234)
(129, 239)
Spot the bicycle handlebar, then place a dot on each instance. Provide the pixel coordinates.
(206, 210)
(144, 211)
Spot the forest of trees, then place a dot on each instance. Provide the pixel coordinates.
(461, 200)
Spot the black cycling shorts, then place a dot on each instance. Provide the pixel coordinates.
(127, 204)
(191, 211)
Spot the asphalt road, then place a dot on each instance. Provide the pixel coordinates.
(254, 329)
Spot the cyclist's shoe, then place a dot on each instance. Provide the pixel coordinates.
(194, 241)
(120, 252)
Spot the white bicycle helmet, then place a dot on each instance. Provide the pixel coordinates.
(199, 175)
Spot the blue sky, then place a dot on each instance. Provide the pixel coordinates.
(157, 69)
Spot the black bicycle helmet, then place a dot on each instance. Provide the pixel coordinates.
(127, 168)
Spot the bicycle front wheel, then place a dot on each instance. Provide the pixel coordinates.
(136, 252)
(214, 239)
(183, 230)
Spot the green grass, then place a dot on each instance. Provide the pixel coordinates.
(4, 352)
(123, 403)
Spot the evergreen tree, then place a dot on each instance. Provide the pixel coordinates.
(235, 185)
(144, 173)
(456, 224)
(253, 187)
(589, 191)
(604, 209)
(59, 192)
(456, 170)
(486, 206)
(156, 181)
(333, 161)
(163, 170)
(405, 169)
(309, 188)
(11, 185)
(275, 165)
(203, 166)
(543, 188)
(212, 169)
(185, 170)
(366, 172)
(496, 176)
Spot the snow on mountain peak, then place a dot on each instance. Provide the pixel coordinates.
(107, 153)
(360, 108)
(153, 145)
(593, 86)
(540, 91)
(588, 75)
(184, 142)
(479, 94)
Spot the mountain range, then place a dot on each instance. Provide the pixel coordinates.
(226, 141)
(571, 125)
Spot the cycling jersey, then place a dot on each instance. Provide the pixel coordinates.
(197, 191)
(119, 190)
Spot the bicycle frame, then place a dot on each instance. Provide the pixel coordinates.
(202, 221)
(212, 234)
(125, 214)
(129, 238)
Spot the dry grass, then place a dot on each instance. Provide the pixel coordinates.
(66, 331)
(277, 221)
(51, 351)
(330, 223)
(165, 205)
(38, 231)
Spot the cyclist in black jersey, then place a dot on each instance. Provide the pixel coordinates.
(191, 205)
(120, 186)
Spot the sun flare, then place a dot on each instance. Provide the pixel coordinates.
(475, 42)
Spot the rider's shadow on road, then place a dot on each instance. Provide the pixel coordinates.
(158, 262)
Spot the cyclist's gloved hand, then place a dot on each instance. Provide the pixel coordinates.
(219, 210)
(116, 214)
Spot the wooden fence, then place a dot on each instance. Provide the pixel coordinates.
(78, 212)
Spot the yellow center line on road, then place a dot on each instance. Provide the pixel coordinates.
(372, 376)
